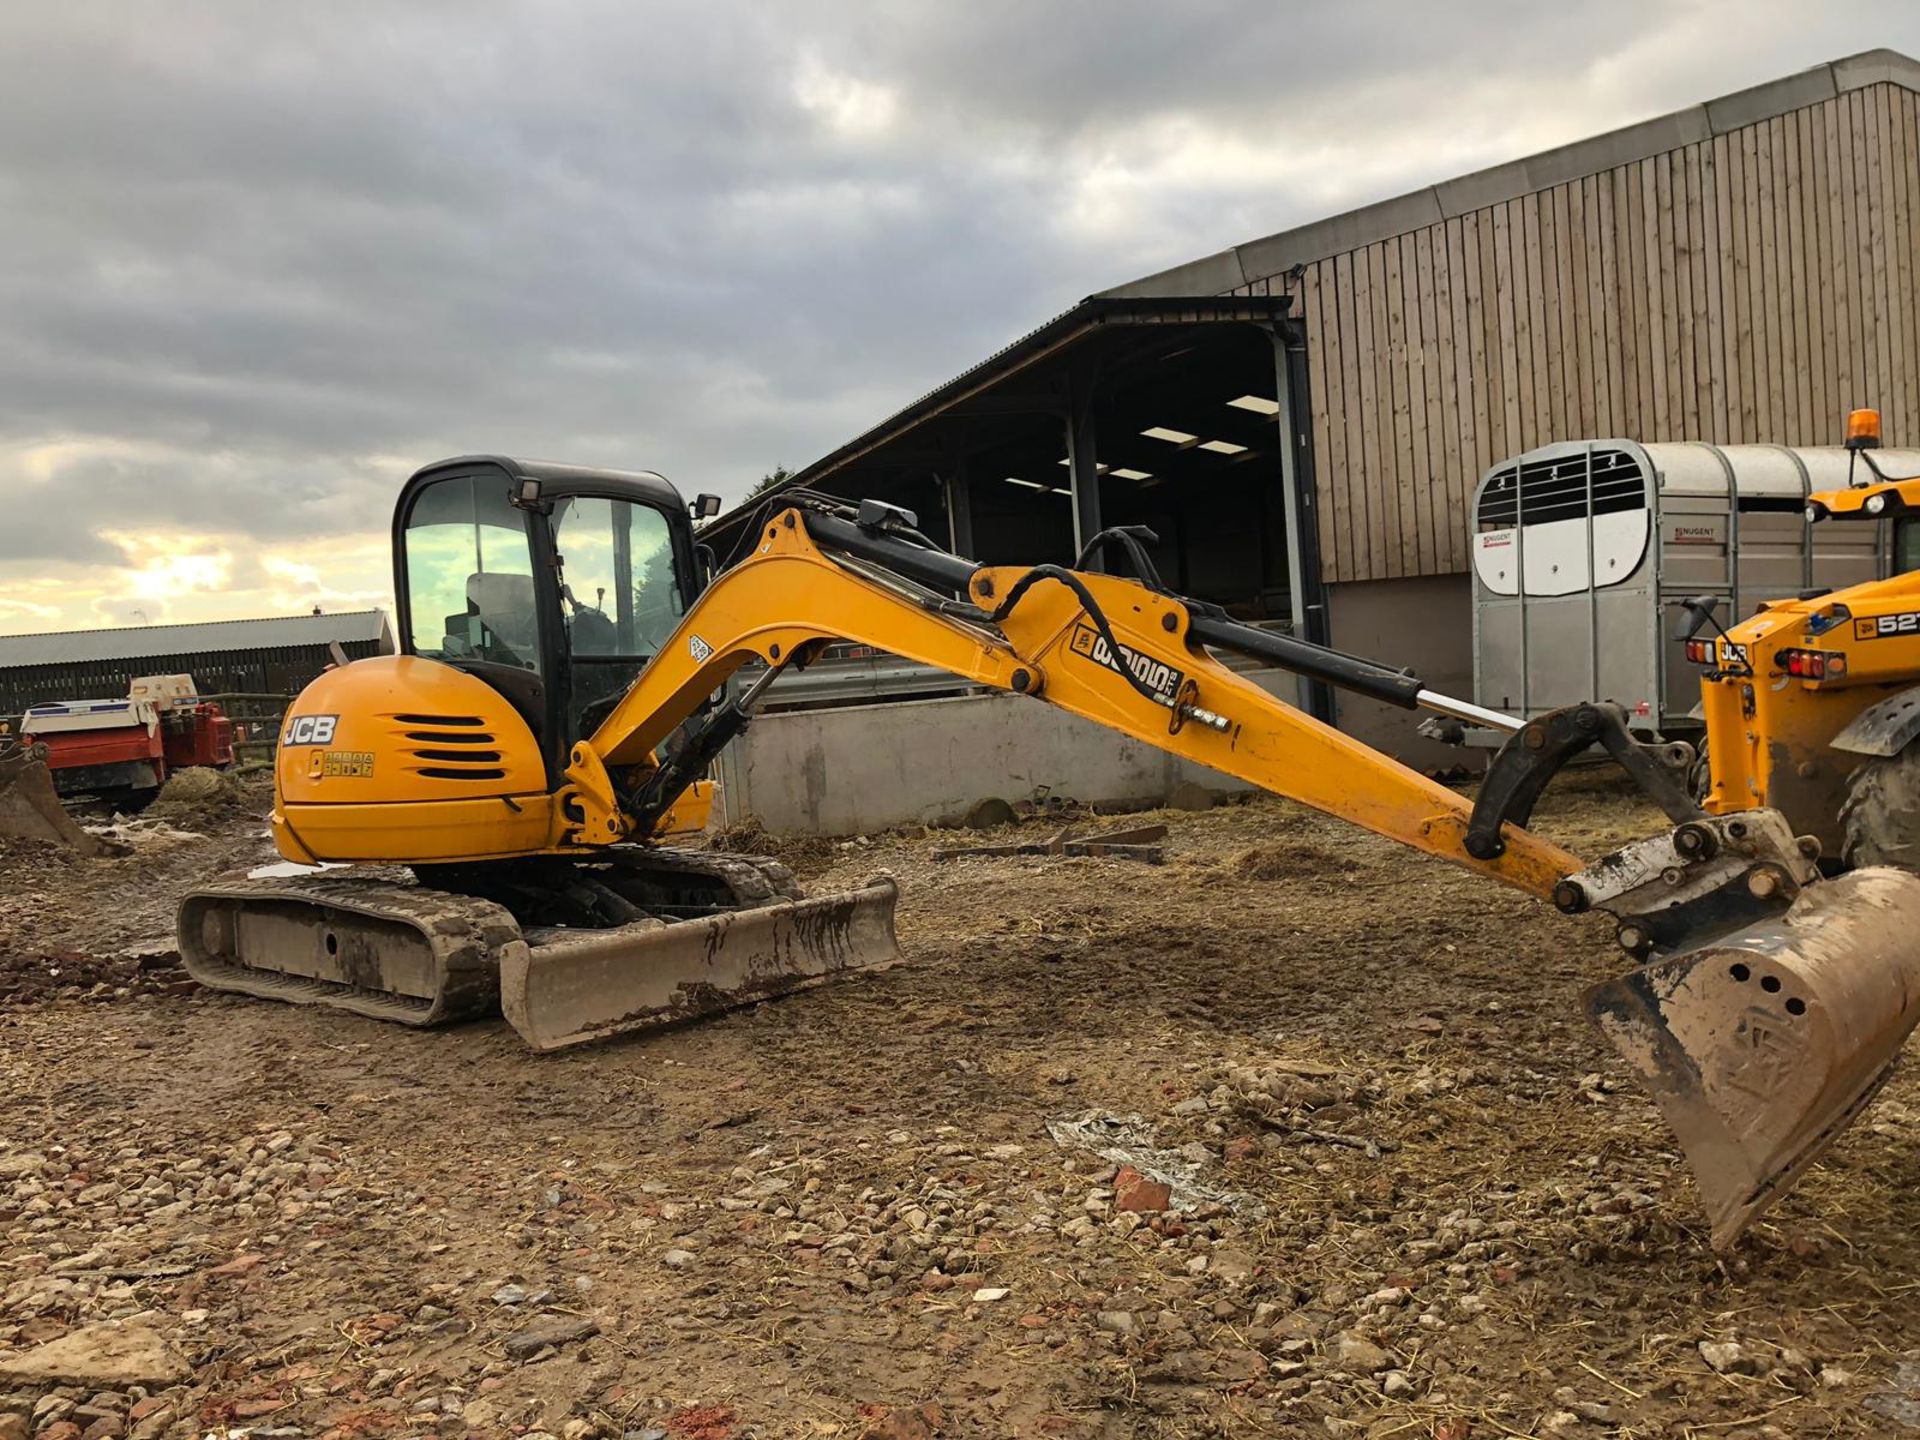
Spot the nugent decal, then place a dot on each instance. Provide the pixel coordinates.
(1156, 675)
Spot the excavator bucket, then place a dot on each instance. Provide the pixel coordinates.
(1760, 1048)
(30, 808)
(568, 987)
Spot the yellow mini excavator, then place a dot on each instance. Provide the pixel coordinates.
(510, 786)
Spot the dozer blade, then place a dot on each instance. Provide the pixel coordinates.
(1760, 1048)
(567, 987)
(30, 808)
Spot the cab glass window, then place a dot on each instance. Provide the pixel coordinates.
(1906, 545)
(470, 592)
(619, 592)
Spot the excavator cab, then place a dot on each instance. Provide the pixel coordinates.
(554, 585)
(531, 597)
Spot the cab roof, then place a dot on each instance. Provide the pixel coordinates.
(643, 485)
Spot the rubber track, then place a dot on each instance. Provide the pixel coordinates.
(754, 879)
(467, 935)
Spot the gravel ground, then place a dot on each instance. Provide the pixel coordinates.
(1297, 1134)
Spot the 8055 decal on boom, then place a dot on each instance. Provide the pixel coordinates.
(1156, 675)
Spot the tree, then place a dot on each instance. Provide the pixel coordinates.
(779, 475)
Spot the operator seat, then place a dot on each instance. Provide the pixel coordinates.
(505, 606)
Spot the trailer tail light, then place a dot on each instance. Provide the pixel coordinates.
(1813, 664)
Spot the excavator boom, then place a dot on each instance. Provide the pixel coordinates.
(1129, 657)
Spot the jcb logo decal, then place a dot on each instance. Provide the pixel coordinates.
(1156, 675)
(1732, 654)
(1879, 627)
(310, 730)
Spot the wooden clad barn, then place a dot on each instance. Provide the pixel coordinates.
(1742, 271)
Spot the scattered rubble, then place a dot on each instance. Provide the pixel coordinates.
(1899, 1399)
(110, 1355)
(136, 832)
(1168, 1152)
(548, 1333)
(199, 797)
(1127, 1140)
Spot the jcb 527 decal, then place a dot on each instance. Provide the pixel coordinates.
(1880, 627)
(310, 730)
(1156, 675)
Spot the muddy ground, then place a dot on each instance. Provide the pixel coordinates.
(1425, 1201)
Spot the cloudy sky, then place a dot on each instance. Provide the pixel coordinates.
(258, 262)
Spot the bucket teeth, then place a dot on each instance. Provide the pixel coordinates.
(1760, 1048)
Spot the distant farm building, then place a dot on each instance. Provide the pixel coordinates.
(272, 656)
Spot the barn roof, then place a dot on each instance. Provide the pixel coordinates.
(1039, 358)
(131, 642)
(1273, 254)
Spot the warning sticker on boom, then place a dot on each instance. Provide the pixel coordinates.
(1156, 675)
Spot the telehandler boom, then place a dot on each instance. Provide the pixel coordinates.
(527, 753)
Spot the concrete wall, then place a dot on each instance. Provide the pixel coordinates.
(863, 767)
(1424, 623)
(859, 768)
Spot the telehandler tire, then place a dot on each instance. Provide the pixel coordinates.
(1880, 821)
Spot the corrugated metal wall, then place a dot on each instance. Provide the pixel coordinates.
(278, 671)
(1748, 288)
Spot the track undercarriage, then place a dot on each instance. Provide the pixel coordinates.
(570, 950)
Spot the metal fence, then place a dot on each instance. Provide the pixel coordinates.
(257, 721)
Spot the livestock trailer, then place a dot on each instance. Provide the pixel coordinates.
(1582, 548)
